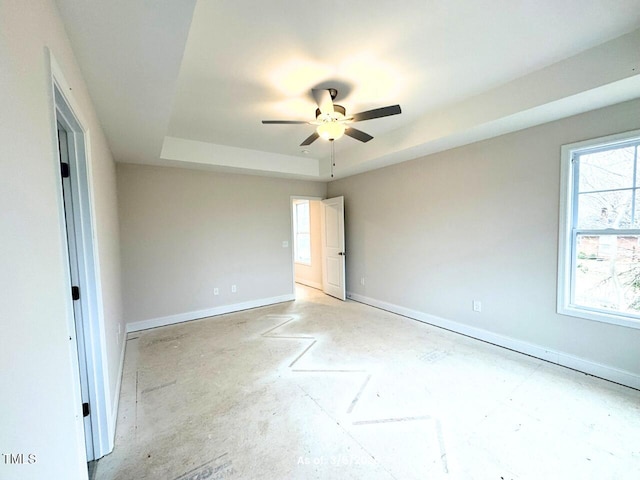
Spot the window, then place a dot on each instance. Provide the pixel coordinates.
(301, 232)
(599, 256)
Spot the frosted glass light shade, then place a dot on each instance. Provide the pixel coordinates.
(331, 130)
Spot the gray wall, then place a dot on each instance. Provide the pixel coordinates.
(186, 232)
(40, 404)
(481, 222)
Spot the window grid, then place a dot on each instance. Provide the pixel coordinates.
(577, 232)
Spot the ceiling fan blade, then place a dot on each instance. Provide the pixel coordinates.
(376, 113)
(283, 122)
(357, 134)
(310, 139)
(323, 99)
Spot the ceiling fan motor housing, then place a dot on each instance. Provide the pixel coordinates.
(338, 113)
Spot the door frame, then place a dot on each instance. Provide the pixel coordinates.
(65, 110)
(292, 231)
(68, 144)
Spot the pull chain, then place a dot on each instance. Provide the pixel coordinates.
(333, 157)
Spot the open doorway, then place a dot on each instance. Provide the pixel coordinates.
(307, 249)
(319, 244)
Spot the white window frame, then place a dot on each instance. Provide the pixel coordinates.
(296, 232)
(567, 218)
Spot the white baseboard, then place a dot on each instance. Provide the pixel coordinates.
(209, 312)
(587, 366)
(309, 283)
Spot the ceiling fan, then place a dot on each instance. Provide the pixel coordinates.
(332, 121)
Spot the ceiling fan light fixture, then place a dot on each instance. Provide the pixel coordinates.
(331, 130)
(331, 120)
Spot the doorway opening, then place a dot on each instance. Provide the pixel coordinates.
(318, 244)
(307, 250)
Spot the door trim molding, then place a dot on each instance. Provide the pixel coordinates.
(65, 109)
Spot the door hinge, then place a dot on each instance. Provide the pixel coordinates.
(64, 169)
(85, 410)
(75, 292)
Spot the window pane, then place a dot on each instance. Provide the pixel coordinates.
(303, 248)
(608, 273)
(302, 217)
(607, 170)
(604, 210)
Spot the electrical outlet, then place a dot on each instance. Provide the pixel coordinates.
(362, 281)
(285, 244)
(234, 289)
(216, 291)
(477, 306)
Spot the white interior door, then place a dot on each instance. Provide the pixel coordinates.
(333, 253)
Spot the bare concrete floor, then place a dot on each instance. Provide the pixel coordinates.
(318, 388)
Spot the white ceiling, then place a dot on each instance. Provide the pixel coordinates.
(188, 83)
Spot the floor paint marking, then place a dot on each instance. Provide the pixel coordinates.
(443, 453)
(434, 356)
(269, 334)
(166, 339)
(328, 371)
(153, 389)
(136, 419)
(357, 397)
(197, 468)
(305, 351)
(277, 326)
(209, 470)
(273, 335)
(347, 433)
(392, 420)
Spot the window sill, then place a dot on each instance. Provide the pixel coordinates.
(600, 316)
